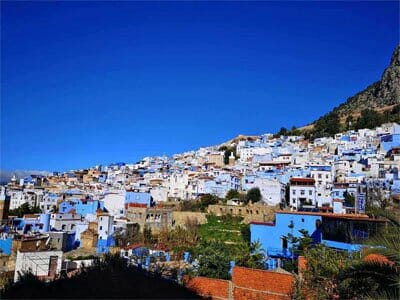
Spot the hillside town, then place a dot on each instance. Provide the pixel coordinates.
(82, 214)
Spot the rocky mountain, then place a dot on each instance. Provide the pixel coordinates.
(379, 95)
(377, 104)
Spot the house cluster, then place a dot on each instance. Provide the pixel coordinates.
(84, 209)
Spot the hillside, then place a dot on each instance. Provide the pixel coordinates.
(380, 94)
(377, 104)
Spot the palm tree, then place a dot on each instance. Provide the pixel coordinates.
(376, 275)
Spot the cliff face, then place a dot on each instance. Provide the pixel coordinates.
(381, 94)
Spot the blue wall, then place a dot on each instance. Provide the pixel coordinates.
(90, 207)
(390, 141)
(138, 197)
(45, 220)
(103, 246)
(5, 245)
(70, 242)
(270, 236)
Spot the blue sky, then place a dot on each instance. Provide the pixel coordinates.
(86, 83)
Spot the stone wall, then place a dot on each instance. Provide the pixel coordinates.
(250, 213)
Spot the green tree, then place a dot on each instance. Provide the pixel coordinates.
(252, 256)
(227, 153)
(320, 279)
(327, 125)
(232, 194)
(349, 122)
(254, 195)
(377, 274)
(148, 236)
(297, 244)
(349, 199)
(214, 259)
(369, 119)
(130, 235)
(25, 209)
(282, 131)
(206, 200)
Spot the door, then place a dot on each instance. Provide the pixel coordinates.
(53, 266)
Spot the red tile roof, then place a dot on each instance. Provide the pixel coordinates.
(302, 180)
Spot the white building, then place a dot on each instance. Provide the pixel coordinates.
(114, 202)
(64, 222)
(105, 225)
(302, 193)
(272, 191)
(45, 264)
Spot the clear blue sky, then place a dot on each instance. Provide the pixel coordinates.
(97, 82)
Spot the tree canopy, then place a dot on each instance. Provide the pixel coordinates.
(25, 209)
(253, 195)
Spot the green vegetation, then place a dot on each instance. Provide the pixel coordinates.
(227, 153)
(329, 124)
(224, 239)
(130, 235)
(232, 194)
(24, 209)
(214, 258)
(200, 204)
(253, 195)
(226, 229)
(321, 277)
(373, 273)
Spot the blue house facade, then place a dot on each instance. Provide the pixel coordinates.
(82, 207)
(103, 246)
(342, 232)
(391, 140)
(5, 245)
(138, 197)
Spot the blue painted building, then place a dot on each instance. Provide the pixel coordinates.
(139, 197)
(103, 246)
(343, 232)
(390, 141)
(82, 207)
(5, 245)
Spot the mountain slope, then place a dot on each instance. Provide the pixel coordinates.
(385, 92)
(378, 103)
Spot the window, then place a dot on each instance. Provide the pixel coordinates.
(302, 192)
(319, 175)
(101, 227)
(294, 192)
(310, 193)
(63, 227)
